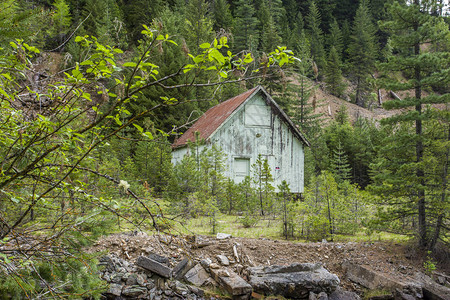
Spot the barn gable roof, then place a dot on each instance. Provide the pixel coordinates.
(216, 116)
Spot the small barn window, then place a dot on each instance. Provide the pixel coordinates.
(241, 169)
(257, 115)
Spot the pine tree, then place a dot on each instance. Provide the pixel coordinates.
(262, 179)
(411, 27)
(198, 27)
(335, 38)
(245, 32)
(333, 73)
(222, 17)
(313, 21)
(139, 12)
(339, 164)
(61, 19)
(269, 32)
(362, 51)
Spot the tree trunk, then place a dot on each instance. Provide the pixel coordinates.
(419, 152)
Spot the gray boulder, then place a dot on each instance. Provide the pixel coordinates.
(295, 281)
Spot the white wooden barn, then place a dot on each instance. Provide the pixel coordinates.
(245, 126)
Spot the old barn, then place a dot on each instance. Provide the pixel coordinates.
(245, 126)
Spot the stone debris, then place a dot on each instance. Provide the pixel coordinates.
(294, 281)
(233, 283)
(222, 236)
(223, 260)
(175, 268)
(153, 266)
(197, 275)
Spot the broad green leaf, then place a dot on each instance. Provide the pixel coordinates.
(130, 64)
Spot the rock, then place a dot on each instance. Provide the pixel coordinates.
(114, 289)
(197, 275)
(161, 259)
(214, 266)
(107, 262)
(196, 291)
(181, 268)
(130, 279)
(294, 281)
(222, 236)
(370, 279)
(232, 282)
(116, 277)
(320, 296)
(133, 291)
(205, 263)
(153, 266)
(432, 290)
(339, 294)
(179, 287)
(223, 260)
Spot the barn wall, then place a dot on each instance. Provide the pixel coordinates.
(253, 129)
(243, 136)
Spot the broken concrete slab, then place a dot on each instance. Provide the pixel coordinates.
(197, 275)
(294, 281)
(181, 268)
(431, 289)
(159, 258)
(153, 266)
(371, 279)
(222, 236)
(223, 260)
(232, 282)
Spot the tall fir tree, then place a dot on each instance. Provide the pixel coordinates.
(335, 38)
(404, 174)
(362, 52)
(333, 73)
(222, 17)
(199, 27)
(313, 21)
(245, 31)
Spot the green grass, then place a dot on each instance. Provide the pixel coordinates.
(266, 228)
(269, 228)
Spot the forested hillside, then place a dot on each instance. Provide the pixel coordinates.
(93, 93)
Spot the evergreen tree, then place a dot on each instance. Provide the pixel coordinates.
(362, 51)
(199, 27)
(411, 27)
(335, 38)
(61, 20)
(223, 18)
(140, 12)
(262, 179)
(153, 165)
(269, 33)
(245, 31)
(333, 73)
(339, 164)
(313, 21)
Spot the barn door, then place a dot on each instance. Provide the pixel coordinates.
(241, 168)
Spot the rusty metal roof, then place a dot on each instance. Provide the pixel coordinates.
(212, 119)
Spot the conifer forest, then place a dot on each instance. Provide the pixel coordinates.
(94, 92)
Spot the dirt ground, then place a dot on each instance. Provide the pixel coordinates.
(395, 261)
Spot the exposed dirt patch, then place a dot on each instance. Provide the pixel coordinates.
(396, 261)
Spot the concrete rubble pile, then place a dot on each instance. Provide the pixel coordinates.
(230, 275)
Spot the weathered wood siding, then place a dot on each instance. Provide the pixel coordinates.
(254, 129)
